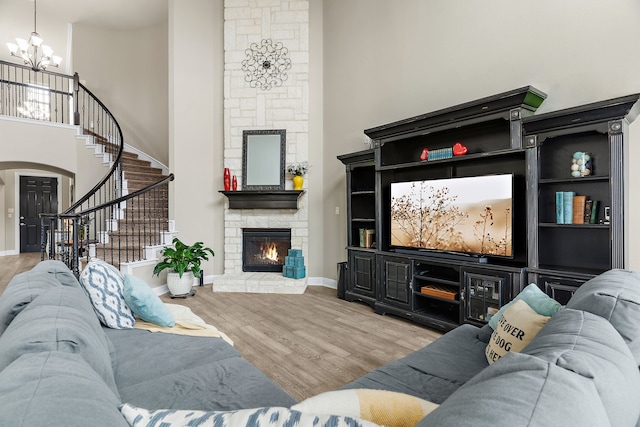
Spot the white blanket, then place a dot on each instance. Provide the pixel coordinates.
(187, 323)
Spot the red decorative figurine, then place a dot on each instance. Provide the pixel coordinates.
(234, 183)
(459, 149)
(227, 179)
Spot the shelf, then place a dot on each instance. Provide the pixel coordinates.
(263, 199)
(554, 225)
(454, 159)
(451, 301)
(364, 192)
(438, 317)
(574, 180)
(437, 280)
(360, 248)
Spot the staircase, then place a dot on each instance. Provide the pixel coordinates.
(146, 217)
(123, 219)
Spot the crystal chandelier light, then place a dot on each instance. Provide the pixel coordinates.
(34, 54)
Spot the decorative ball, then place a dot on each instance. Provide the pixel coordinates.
(575, 167)
(586, 172)
(575, 174)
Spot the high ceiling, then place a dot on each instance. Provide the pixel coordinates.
(16, 18)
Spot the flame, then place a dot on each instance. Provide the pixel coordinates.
(271, 253)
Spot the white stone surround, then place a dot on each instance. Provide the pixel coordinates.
(247, 108)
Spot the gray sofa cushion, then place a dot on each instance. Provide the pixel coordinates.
(614, 295)
(577, 371)
(60, 319)
(25, 287)
(192, 372)
(521, 390)
(435, 371)
(21, 290)
(588, 345)
(59, 271)
(56, 389)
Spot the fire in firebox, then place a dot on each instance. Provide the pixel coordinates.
(265, 249)
(270, 253)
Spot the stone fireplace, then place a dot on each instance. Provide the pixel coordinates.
(251, 108)
(264, 249)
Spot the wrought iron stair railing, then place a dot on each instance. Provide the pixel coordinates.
(106, 221)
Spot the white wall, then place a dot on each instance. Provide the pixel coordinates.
(41, 149)
(128, 72)
(195, 123)
(387, 60)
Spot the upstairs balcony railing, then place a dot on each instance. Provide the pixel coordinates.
(106, 214)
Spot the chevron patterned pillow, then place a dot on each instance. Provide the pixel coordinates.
(105, 286)
(257, 417)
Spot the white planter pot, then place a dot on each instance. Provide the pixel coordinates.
(179, 285)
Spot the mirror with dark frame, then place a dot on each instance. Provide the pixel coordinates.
(263, 159)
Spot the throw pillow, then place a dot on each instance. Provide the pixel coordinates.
(536, 299)
(256, 417)
(145, 303)
(517, 326)
(104, 284)
(383, 407)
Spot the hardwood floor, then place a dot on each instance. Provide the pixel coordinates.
(307, 343)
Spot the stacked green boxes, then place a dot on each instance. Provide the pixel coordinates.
(294, 265)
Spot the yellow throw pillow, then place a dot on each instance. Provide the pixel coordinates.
(517, 326)
(382, 407)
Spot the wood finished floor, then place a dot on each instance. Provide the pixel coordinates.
(308, 343)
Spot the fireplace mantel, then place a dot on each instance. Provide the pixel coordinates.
(263, 199)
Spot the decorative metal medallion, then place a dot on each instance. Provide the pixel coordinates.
(266, 64)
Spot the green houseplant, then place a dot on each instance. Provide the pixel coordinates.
(183, 262)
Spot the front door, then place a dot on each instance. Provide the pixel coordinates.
(37, 195)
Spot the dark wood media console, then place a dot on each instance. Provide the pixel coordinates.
(503, 136)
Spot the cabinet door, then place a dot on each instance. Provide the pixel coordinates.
(560, 289)
(485, 293)
(396, 281)
(362, 266)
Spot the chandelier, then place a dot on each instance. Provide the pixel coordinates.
(34, 54)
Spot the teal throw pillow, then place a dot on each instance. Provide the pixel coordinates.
(145, 303)
(540, 302)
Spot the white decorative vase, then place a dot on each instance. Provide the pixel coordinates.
(179, 285)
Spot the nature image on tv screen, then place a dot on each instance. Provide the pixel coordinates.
(470, 215)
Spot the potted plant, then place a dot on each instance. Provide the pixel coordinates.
(183, 262)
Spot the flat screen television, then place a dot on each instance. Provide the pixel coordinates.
(468, 215)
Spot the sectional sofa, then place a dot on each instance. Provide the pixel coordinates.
(60, 367)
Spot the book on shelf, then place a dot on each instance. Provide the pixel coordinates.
(559, 207)
(578, 207)
(588, 206)
(369, 237)
(567, 197)
(594, 212)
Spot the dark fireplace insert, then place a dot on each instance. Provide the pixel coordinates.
(264, 249)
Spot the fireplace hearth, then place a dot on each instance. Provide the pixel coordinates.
(264, 249)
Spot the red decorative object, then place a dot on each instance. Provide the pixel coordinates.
(459, 149)
(234, 183)
(227, 179)
(425, 154)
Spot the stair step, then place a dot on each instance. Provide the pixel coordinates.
(134, 163)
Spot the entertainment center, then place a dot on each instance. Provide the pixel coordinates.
(452, 213)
